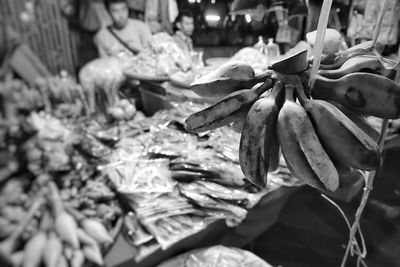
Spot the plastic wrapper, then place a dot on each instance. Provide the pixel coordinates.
(163, 57)
(214, 208)
(216, 256)
(141, 176)
(171, 230)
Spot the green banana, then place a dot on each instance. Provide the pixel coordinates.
(225, 111)
(301, 147)
(342, 138)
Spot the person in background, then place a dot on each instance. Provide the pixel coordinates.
(125, 36)
(184, 26)
(160, 15)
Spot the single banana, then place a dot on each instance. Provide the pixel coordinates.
(342, 138)
(336, 60)
(258, 143)
(301, 147)
(365, 93)
(228, 78)
(354, 64)
(360, 121)
(225, 111)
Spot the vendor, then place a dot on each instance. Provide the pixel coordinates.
(125, 36)
(184, 26)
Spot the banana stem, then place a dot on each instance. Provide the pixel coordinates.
(367, 189)
(300, 94)
(289, 89)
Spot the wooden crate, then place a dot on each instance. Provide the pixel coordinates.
(48, 35)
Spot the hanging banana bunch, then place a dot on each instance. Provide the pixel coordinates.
(321, 134)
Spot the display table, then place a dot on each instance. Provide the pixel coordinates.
(259, 218)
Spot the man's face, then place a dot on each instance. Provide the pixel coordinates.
(186, 25)
(119, 13)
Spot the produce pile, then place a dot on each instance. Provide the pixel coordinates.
(162, 58)
(54, 208)
(60, 96)
(69, 184)
(322, 133)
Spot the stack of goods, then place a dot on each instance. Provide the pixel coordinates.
(61, 97)
(17, 97)
(162, 58)
(178, 183)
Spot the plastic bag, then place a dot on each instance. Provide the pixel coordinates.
(217, 256)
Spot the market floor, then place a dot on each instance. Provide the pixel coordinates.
(311, 232)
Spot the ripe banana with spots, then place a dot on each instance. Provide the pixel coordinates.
(342, 139)
(364, 93)
(258, 148)
(301, 147)
(226, 110)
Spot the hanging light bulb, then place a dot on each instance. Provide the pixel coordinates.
(247, 17)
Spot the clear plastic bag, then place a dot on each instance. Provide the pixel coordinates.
(217, 256)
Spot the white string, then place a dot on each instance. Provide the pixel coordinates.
(319, 42)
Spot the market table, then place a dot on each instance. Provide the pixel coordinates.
(259, 219)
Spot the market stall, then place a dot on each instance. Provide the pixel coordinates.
(161, 158)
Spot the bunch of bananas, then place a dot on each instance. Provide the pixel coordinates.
(322, 134)
(63, 237)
